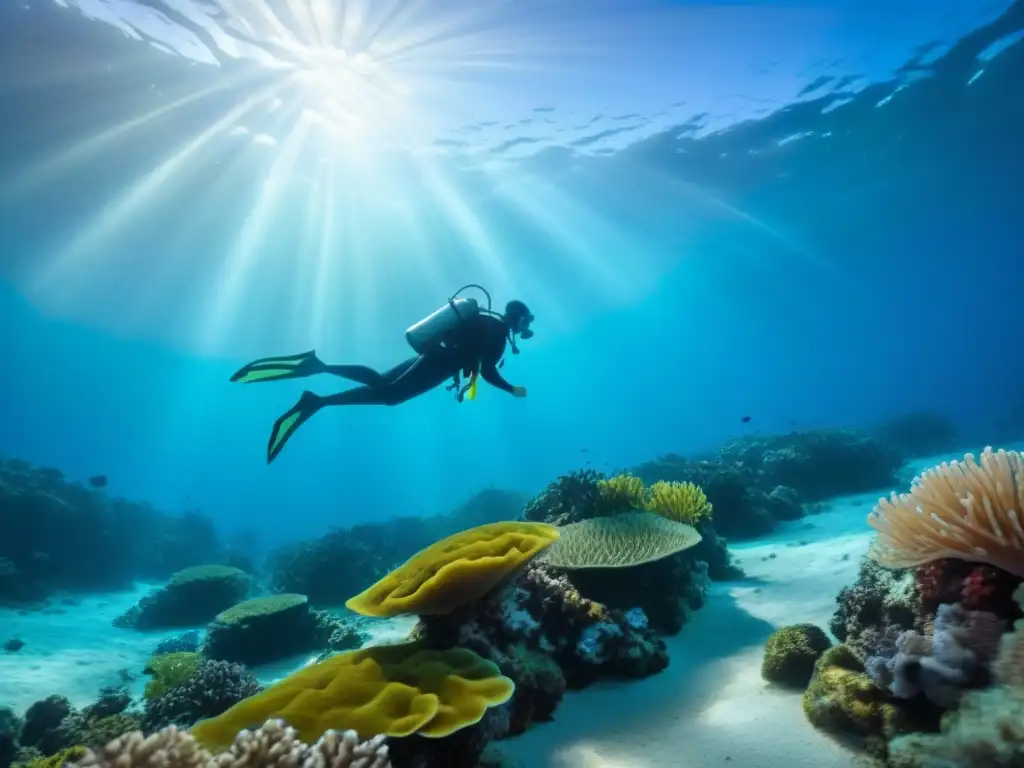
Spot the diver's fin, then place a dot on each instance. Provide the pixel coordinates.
(471, 393)
(278, 368)
(288, 424)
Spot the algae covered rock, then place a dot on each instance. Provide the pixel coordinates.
(269, 628)
(192, 597)
(842, 700)
(790, 654)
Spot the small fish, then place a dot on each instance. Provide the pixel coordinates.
(745, 419)
(585, 450)
(98, 481)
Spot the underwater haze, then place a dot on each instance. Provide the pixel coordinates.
(808, 214)
(511, 384)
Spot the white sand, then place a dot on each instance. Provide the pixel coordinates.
(76, 651)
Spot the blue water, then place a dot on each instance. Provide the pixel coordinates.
(806, 215)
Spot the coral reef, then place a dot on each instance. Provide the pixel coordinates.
(192, 596)
(755, 482)
(791, 652)
(545, 614)
(274, 745)
(667, 589)
(918, 433)
(60, 535)
(880, 602)
(273, 627)
(212, 688)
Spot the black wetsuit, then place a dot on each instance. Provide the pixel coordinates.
(477, 344)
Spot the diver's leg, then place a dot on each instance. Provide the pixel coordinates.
(363, 374)
(405, 381)
(278, 368)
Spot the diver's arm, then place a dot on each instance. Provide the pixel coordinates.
(489, 372)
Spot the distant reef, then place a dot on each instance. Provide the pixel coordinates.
(58, 535)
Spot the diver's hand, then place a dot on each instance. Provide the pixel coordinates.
(519, 392)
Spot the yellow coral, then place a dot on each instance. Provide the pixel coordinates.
(455, 571)
(964, 510)
(682, 502)
(395, 690)
(623, 492)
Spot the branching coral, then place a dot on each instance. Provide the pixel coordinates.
(682, 502)
(274, 745)
(623, 492)
(966, 510)
(210, 690)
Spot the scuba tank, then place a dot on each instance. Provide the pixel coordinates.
(432, 329)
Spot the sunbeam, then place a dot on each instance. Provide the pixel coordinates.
(337, 204)
(57, 274)
(82, 150)
(237, 267)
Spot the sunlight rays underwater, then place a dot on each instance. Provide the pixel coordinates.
(320, 183)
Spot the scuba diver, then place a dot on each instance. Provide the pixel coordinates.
(459, 338)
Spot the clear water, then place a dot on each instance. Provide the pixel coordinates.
(806, 214)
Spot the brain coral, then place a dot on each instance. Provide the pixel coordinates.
(619, 541)
(455, 571)
(396, 690)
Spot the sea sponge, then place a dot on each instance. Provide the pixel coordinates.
(455, 571)
(619, 541)
(790, 653)
(396, 690)
(622, 492)
(964, 510)
(682, 502)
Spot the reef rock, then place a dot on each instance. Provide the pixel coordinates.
(266, 629)
(193, 596)
(842, 700)
(791, 652)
